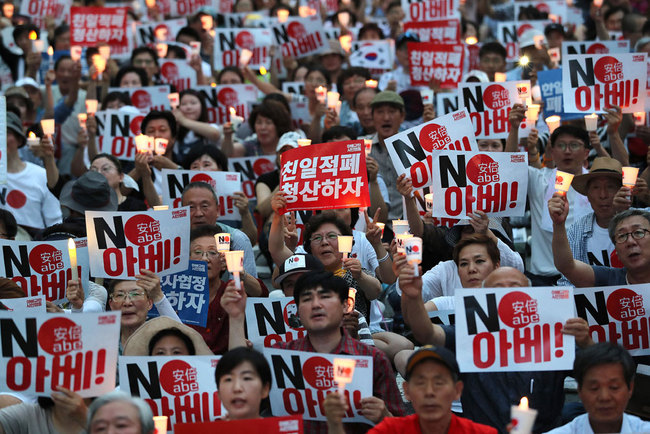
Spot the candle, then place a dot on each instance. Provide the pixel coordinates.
(82, 117)
(381, 226)
(48, 127)
(38, 46)
(401, 242)
(639, 119)
(223, 241)
(343, 372)
(413, 250)
(532, 112)
(367, 143)
(32, 140)
(499, 77)
(160, 422)
(235, 264)
(337, 107)
(160, 146)
(150, 3)
(91, 106)
(75, 53)
(207, 23)
(304, 142)
(591, 122)
(346, 42)
(332, 98)
(345, 244)
(427, 96)
(629, 176)
(173, 100)
(105, 52)
(523, 91)
(598, 3)
(428, 201)
(195, 47)
(283, 15)
(263, 70)
(553, 122)
(400, 226)
(161, 207)
(245, 57)
(471, 40)
(100, 64)
(352, 295)
(523, 418)
(142, 143)
(321, 94)
(372, 83)
(72, 252)
(161, 49)
(235, 120)
(562, 182)
(50, 55)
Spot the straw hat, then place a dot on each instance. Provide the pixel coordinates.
(602, 166)
(138, 343)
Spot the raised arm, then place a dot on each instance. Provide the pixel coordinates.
(405, 188)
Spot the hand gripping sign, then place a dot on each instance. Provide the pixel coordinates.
(271, 320)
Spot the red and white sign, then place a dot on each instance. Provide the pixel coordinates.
(90, 26)
(220, 98)
(178, 72)
(514, 329)
(121, 243)
(595, 82)
(43, 267)
(116, 131)
(411, 151)
(429, 10)
(147, 98)
(41, 351)
(266, 425)
(594, 47)
(617, 314)
(442, 62)
(325, 176)
(250, 169)
(161, 31)
(229, 43)
(39, 10)
(509, 32)
(34, 304)
(492, 182)
(271, 320)
(304, 380)
(438, 31)
(185, 8)
(489, 105)
(300, 37)
(225, 184)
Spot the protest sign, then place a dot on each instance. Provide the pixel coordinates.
(161, 31)
(294, 87)
(219, 99)
(188, 293)
(429, 10)
(185, 8)
(301, 381)
(92, 25)
(446, 102)
(40, 11)
(300, 113)
(438, 31)
(300, 37)
(250, 168)
(179, 387)
(34, 304)
(489, 105)
(493, 182)
(595, 82)
(224, 184)
(122, 243)
(411, 150)
(116, 131)
(178, 72)
(442, 317)
(147, 98)
(3, 140)
(373, 54)
(508, 33)
(325, 176)
(594, 47)
(514, 329)
(239, 19)
(550, 84)
(41, 351)
(271, 320)
(617, 314)
(266, 425)
(556, 9)
(43, 267)
(442, 62)
(229, 43)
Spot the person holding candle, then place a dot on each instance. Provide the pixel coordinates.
(193, 126)
(332, 59)
(360, 103)
(492, 59)
(350, 81)
(317, 80)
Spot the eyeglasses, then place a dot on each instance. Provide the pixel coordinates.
(637, 234)
(119, 297)
(319, 238)
(211, 254)
(104, 169)
(573, 146)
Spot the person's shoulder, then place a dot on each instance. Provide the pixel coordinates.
(36, 169)
(466, 426)
(635, 423)
(575, 426)
(397, 425)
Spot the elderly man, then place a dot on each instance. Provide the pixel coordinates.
(120, 412)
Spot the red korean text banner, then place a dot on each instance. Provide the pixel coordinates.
(90, 26)
(122, 243)
(116, 130)
(440, 62)
(510, 329)
(489, 105)
(43, 267)
(593, 83)
(493, 182)
(271, 320)
(267, 425)
(617, 314)
(302, 380)
(439, 31)
(41, 351)
(220, 99)
(411, 151)
(325, 176)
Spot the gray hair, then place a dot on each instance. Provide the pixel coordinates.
(200, 184)
(618, 218)
(641, 42)
(144, 411)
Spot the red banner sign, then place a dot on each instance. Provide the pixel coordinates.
(90, 26)
(441, 62)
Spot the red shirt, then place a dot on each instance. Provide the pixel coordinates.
(411, 424)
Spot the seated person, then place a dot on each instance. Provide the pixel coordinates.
(162, 336)
(118, 411)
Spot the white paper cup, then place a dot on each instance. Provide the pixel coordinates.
(401, 242)
(591, 122)
(523, 420)
(629, 176)
(427, 96)
(428, 201)
(563, 181)
(400, 226)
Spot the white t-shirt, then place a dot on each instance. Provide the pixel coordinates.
(581, 425)
(361, 249)
(600, 247)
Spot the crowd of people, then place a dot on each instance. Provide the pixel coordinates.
(595, 235)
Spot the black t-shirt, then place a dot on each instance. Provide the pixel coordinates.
(270, 179)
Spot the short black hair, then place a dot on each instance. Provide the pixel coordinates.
(279, 97)
(61, 58)
(9, 222)
(318, 67)
(337, 131)
(232, 69)
(111, 158)
(323, 279)
(276, 112)
(204, 231)
(370, 27)
(603, 353)
(203, 185)
(189, 31)
(116, 95)
(200, 150)
(493, 47)
(172, 331)
(157, 114)
(239, 355)
(144, 49)
(179, 52)
(318, 220)
(353, 103)
(144, 79)
(571, 130)
(351, 72)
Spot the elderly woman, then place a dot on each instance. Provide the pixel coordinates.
(120, 412)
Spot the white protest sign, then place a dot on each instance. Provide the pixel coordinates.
(223, 183)
(489, 105)
(493, 182)
(428, 10)
(147, 98)
(116, 131)
(271, 320)
(618, 314)
(178, 72)
(34, 304)
(294, 87)
(594, 47)
(446, 102)
(303, 379)
(373, 54)
(411, 150)
(121, 243)
(161, 31)
(219, 99)
(43, 267)
(300, 37)
(514, 329)
(508, 33)
(250, 169)
(229, 43)
(39, 10)
(3, 140)
(42, 350)
(551, 7)
(179, 387)
(593, 83)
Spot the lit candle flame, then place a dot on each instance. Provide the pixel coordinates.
(50, 51)
(213, 84)
(232, 110)
(471, 40)
(33, 36)
(31, 135)
(523, 404)
(263, 70)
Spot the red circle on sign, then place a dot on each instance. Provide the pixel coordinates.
(141, 99)
(58, 336)
(482, 169)
(434, 137)
(523, 28)
(204, 177)
(142, 230)
(136, 124)
(16, 199)
(296, 30)
(514, 309)
(496, 96)
(608, 69)
(162, 32)
(614, 260)
(291, 311)
(319, 373)
(597, 48)
(543, 7)
(621, 304)
(46, 259)
(228, 97)
(262, 165)
(169, 71)
(178, 378)
(245, 40)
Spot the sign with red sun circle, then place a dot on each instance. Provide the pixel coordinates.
(142, 230)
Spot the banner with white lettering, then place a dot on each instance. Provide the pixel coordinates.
(442, 62)
(508, 33)
(373, 54)
(300, 37)
(489, 105)
(250, 169)
(492, 182)
(302, 380)
(618, 314)
(92, 25)
(41, 351)
(221, 98)
(122, 243)
(271, 320)
(429, 10)
(411, 150)
(229, 43)
(550, 84)
(514, 329)
(116, 131)
(266, 425)
(438, 31)
(178, 72)
(43, 267)
(594, 47)
(592, 83)
(179, 387)
(147, 98)
(34, 304)
(160, 31)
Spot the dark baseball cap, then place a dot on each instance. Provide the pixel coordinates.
(298, 264)
(387, 97)
(437, 354)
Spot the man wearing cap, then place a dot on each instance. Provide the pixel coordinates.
(432, 384)
(555, 35)
(26, 195)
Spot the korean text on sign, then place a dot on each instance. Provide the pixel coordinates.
(441, 62)
(90, 26)
(188, 294)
